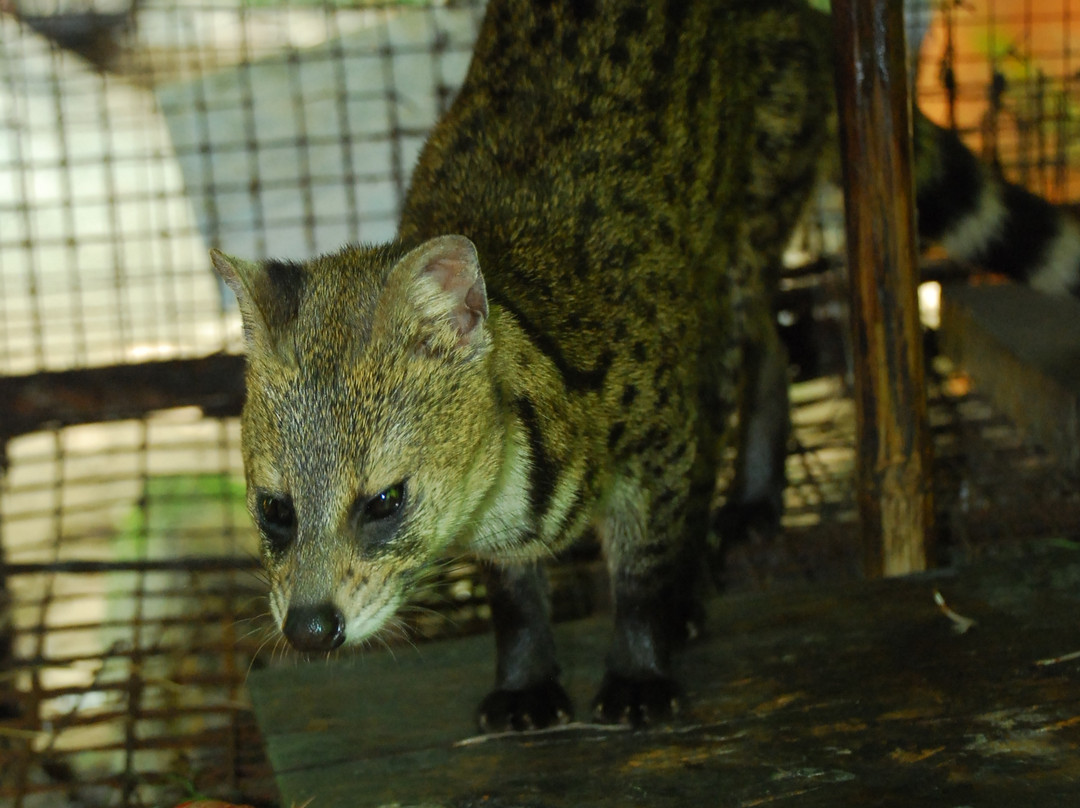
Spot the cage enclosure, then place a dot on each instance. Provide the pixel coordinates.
(137, 134)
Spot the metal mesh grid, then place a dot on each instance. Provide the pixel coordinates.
(262, 129)
(285, 129)
(98, 243)
(1004, 74)
(130, 564)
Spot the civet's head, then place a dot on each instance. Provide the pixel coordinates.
(367, 429)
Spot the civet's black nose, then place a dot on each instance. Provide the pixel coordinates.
(314, 628)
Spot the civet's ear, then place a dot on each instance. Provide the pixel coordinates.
(268, 293)
(447, 287)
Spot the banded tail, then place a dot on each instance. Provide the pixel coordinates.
(980, 218)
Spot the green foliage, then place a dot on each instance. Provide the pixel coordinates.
(180, 505)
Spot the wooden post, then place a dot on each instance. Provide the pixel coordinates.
(893, 445)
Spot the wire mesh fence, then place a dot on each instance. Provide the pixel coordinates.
(133, 136)
(136, 134)
(1004, 74)
(130, 570)
(263, 129)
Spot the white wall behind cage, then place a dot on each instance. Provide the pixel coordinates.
(263, 130)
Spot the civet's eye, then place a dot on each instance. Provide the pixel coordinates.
(277, 520)
(385, 504)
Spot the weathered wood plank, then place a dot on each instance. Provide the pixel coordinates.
(892, 436)
(854, 697)
(1022, 348)
(90, 395)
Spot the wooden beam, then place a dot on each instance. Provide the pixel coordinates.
(893, 449)
(28, 403)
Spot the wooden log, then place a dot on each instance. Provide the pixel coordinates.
(90, 395)
(893, 446)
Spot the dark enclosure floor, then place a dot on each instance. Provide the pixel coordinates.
(864, 693)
